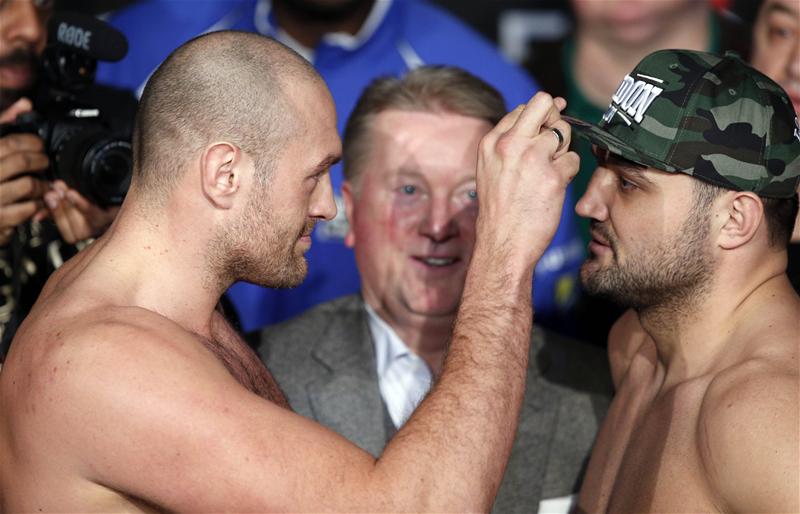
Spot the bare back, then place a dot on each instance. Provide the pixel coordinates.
(725, 440)
(73, 315)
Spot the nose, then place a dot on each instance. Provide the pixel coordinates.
(595, 201)
(439, 223)
(22, 21)
(322, 204)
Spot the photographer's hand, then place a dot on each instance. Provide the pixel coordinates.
(75, 216)
(22, 158)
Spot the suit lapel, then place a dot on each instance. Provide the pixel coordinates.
(347, 399)
(527, 468)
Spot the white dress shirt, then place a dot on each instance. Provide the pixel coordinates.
(403, 377)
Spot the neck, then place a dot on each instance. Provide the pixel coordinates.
(160, 266)
(309, 32)
(601, 62)
(704, 333)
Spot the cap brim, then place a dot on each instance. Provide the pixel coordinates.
(615, 145)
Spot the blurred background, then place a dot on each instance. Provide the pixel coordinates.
(515, 26)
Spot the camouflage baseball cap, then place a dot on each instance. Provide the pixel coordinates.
(711, 117)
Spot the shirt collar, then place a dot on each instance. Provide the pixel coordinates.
(388, 345)
(265, 24)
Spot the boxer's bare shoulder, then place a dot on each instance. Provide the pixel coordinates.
(110, 379)
(747, 430)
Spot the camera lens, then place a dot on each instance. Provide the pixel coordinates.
(108, 166)
(99, 166)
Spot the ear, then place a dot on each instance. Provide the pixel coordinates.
(221, 173)
(741, 213)
(348, 195)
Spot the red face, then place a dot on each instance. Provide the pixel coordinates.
(22, 40)
(776, 45)
(412, 211)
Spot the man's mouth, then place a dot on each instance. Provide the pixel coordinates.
(17, 70)
(438, 262)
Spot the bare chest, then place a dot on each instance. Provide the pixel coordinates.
(245, 366)
(647, 456)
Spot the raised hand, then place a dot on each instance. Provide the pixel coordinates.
(523, 172)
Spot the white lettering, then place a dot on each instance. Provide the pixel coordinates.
(74, 36)
(633, 97)
(623, 88)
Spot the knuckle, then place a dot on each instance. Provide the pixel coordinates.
(544, 97)
(505, 144)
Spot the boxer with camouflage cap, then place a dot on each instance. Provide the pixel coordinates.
(711, 117)
(691, 209)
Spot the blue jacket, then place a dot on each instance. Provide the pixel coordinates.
(398, 35)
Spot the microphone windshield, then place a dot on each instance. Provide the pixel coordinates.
(87, 35)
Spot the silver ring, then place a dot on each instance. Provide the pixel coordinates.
(559, 136)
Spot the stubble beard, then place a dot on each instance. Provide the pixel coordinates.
(260, 249)
(19, 56)
(672, 276)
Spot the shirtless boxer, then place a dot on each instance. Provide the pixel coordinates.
(692, 206)
(126, 390)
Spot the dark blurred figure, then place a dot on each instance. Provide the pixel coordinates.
(349, 42)
(42, 223)
(776, 52)
(609, 38)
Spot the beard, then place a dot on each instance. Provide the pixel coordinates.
(675, 272)
(18, 57)
(260, 248)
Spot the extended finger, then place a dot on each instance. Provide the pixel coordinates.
(58, 210)
(16, 213)
(20, 106)
(18, 163)
(22, 188)
(567, 165)
(536, 112)
(20, 143)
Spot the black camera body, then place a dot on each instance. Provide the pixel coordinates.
(88, 141)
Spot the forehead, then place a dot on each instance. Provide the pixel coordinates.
(425, 141)
(314, 120)
(786, 6)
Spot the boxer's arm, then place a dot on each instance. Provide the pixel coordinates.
(749, 439)
(168, 424)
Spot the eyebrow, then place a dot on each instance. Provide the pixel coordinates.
(781, 8)
(625, 166)
(325, 163)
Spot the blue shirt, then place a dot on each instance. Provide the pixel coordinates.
(397, 36)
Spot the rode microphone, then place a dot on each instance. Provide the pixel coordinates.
(87, 35)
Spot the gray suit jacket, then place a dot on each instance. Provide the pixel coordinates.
(324, 360)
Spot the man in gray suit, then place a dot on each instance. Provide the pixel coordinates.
(361, 364)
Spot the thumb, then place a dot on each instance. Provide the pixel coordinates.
(21, 106)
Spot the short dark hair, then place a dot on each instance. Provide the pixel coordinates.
(423, 89)
(779, 213)
(222, 85)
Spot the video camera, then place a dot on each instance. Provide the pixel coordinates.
(89, 147)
